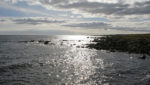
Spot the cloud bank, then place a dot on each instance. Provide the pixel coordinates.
(120, 7)
(35, 21)
(103, 15)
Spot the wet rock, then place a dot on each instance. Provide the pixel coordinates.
(64, 40)
(46, 42)
(138, 43)
(112, 50)
(23, 41)
(41, 64)
(40, 41)
(32, 41)
(142, 57)
(52, 43)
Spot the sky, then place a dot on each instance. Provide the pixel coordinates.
(74, 17)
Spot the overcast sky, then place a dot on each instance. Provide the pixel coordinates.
(88, 17)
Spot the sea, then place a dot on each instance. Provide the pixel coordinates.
(66, 60)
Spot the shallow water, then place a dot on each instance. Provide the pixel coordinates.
(65, 60)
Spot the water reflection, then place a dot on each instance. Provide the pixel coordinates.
(35, 63)
(79, 66)
(74, 65)
(74, 37)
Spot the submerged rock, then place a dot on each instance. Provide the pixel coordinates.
(40, 41)
(46, 42)
(52, 44)
(32, 41)
(23, 41)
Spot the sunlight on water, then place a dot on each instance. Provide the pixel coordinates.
(81, 64)
(79, 41)
(65, 60)
(76, 65)
(75, 37)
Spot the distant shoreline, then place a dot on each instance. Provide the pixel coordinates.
(131, 43)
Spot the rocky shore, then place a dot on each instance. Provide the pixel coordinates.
(133, 43)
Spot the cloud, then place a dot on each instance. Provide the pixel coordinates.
(4, 4)
(110, 9)
(120, 7)
(37, 32)
(122, 15)
(93, 7)
(95, 25)
(106, 26)
(2, 20)
(96, 7)
(35, 21)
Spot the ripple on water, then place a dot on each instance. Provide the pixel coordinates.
(36, 63)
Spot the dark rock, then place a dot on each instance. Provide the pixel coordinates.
(138, 43)
(46, 42)
(52, 43)
(32, 41)
(64, 40)
(23, 41)
(41, 64)
(142, 57)
(40, 41)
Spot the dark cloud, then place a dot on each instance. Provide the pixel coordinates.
(96, 8)
(53, 2)
(106, 26)
(94, 25)
(137, 9)
(37, 32)
(35, 21)
(134, 29)
(120, 8)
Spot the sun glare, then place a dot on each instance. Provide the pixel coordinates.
(75, 37)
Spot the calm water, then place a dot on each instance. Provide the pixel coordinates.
(65, 60)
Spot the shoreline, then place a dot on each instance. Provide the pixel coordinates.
(131, 43)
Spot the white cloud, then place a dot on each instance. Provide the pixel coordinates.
(104, 1)
(87, 8)
(122, 15)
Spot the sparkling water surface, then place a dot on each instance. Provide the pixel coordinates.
(65, 60)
